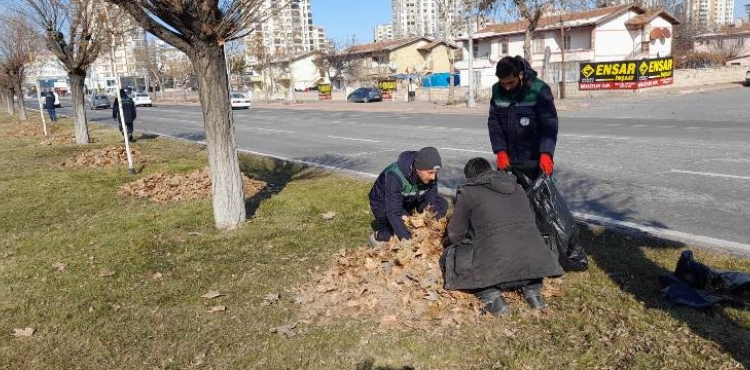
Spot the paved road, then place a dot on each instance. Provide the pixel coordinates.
(680, 163)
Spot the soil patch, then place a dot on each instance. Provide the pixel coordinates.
(164, 187)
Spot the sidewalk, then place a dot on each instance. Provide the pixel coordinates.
(481, 108)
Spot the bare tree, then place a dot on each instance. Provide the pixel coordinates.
(530, 11)
(18, 42)
(200, 28)
(150, 57)
(339, 64)
(180, 71)
(74, 32)
(262, 63)
(237, 63)
(6, 90)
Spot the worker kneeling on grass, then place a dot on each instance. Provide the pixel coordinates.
(495, 244)
(405, 186)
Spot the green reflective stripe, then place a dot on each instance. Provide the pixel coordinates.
(407, 188)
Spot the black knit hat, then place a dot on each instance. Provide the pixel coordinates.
(428, 158)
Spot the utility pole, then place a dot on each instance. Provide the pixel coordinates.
(131, 169)
(470, 103)
(562, 59)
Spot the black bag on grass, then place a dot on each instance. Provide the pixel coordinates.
(555, 222)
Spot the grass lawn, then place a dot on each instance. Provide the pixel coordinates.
(110, 282)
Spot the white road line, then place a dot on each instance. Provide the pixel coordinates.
(639, 126)
(467, 150)
(272, 130)
(612, 124)
(353, 139)
(603, 137)
(666, 126)
(710, 174)
(693, 128)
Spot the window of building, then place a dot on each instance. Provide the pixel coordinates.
(537, 46)
(645, 47)
(504, 47)
(567, 41)
(475, 49)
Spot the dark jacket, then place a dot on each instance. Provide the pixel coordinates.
(128, 110)
(523, 123)
(49, 101)
(398, 191)
(494, 235)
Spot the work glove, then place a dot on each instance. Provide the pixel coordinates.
(503, 161)
(546, 163)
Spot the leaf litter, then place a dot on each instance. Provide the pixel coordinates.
(164, 187)
(399, 284)
(105, 157)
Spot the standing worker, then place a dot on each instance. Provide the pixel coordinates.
(523, 119)
(49, 105)
(128, 111)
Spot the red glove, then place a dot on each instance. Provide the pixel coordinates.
(503, 161)
(546, 164)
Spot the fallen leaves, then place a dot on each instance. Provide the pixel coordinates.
(106, 273)
(106, 157)
(212, 294)
(163, 187)
(286, 331)
(328, 216)
(400, 284)
(217, 309)
(25, 332)
(59, 266)
(32, 129)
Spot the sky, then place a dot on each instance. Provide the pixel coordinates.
(344, 18)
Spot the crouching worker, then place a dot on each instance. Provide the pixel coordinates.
(495, 244)
(408, 185)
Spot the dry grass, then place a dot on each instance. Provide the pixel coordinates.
(114, 282)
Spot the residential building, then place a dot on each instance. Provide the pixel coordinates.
(734, 42)
(600, 35)
(414, 55)
(320, 42)
(384, 32)
(126, 62)
(424, 17)
(47, 71)
(299, 71)
(747, 12)
(709, 14)
(288, 31)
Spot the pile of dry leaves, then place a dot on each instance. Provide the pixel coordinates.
(106, 157)
(31, 130)
(401, 284)
(163, 187)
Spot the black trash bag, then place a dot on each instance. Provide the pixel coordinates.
(555, 222)
(696, 285)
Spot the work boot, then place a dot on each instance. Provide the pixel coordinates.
(493, 300)
(533, 295)
(131, 139)
(373, 242)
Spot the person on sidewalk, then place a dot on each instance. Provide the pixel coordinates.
(522, 121)
(405, 186)
(128, 111)
(49, 105)
(494, 241)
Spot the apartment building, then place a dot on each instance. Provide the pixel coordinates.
(709, 14)
(424, 17)
(383, 32)
(289, 31)
(131, 37)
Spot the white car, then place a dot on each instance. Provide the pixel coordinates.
(240, 100)
(142, 98)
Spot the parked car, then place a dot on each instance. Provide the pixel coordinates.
(365, 95)
(240, 100)
(142, 98)
(57, 99)
(99, 101)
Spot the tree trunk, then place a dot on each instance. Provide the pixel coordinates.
(81, 125)
(8, 102)
(21, 109)
(228, 198)
(527, 39)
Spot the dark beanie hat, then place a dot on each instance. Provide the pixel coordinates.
(428, 158)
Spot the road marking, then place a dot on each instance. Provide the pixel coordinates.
(371, 153)
(693, 128)
(639, 126)
(667, 126)
(710, 174)
(604, 137)
(272, 130)
(353, 139)
(467, 150)
(612, 124)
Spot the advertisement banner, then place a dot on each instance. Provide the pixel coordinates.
(324, 91)
(626, 75)
(387, 88)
